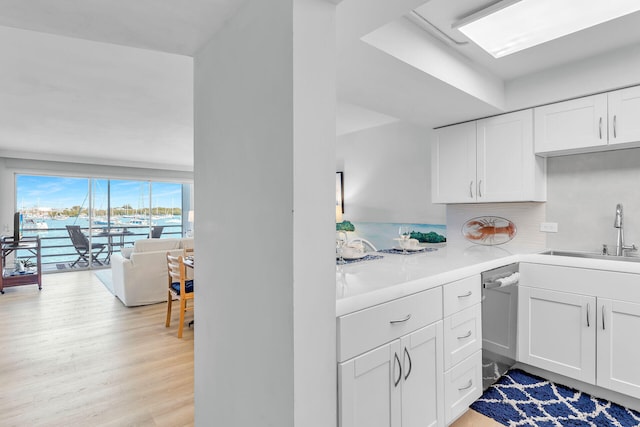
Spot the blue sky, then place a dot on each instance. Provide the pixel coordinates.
(65, 192)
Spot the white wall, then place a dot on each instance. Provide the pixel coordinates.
(583, 191)
(264, 170)
(387, 175)
(601, 73)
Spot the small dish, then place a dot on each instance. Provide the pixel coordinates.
(411, 249)
(358, 255)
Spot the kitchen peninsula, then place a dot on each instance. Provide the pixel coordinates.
(410, 335)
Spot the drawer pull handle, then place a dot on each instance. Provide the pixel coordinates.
(465, 336)
(397, 361)
(407, 317)
(603, 317)
(406, 352)
(600, 129)
(468, 294)
(588, 316)
(467, 387)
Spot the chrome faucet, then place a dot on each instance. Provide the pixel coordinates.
(618, 223)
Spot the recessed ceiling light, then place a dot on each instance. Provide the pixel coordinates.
(513, 25)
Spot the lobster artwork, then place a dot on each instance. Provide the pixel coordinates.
(489, 230)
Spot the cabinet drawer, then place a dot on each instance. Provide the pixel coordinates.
(462, 335)
(462, 386)
(461, 294)
(366, 329)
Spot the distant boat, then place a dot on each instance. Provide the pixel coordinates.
(138, 222)
(34, 224)
(103, 221)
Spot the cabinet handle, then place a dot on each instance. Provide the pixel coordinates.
(600, 127)
(615, 117)
(480, 188)
(603, 317)
(468, 334)
(468, 294)
(467, 387)
(471, 189)
(407, 317)
(397, 360)
(588, 309)
(406, 352)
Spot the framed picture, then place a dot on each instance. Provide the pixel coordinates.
(340, 190)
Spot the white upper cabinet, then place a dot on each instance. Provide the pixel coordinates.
(600, 122)
(571, 125)
(453, 164)
(490, 160)
(624, 116)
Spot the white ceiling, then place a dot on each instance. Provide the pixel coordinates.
(111, 81)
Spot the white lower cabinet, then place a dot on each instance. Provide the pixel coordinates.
(618, 350)
(592, 338)
(462, 335)
(397, 384)
(557, 332)
(462, 358)
(412, 362)
(462, 386)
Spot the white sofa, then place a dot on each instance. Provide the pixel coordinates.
(139, 274)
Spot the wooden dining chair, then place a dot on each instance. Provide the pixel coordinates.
(179, 288)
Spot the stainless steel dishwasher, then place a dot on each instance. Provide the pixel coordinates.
(499, 321)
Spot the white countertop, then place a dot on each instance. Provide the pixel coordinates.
(364, 284)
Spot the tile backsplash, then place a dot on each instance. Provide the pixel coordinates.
(526, 217)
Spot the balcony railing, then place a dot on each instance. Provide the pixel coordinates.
(58, 253)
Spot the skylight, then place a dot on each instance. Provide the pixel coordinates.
(514, 25)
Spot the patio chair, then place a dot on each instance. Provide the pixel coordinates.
(156, 231)
(83, 247)
(179, 287)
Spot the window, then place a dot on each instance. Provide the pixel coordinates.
(97, 205)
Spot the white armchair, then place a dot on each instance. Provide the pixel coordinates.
(139, 274)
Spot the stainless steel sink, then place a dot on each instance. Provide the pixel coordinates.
(592, 256)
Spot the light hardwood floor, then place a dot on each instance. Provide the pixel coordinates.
(73, 355)
(472, 418)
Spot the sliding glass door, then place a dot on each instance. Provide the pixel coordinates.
(111, 213)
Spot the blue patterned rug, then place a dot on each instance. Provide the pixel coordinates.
(522, 399)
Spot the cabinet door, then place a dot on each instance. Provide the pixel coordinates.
(618, 350)
(505, 158)
(571, 125)
(423, 388)
(557, 332)
(453, 164)
(624, 116)
(369, 388)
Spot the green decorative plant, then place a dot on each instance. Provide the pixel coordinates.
(345, 226)
(430, 237)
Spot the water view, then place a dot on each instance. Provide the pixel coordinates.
(49, 203)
